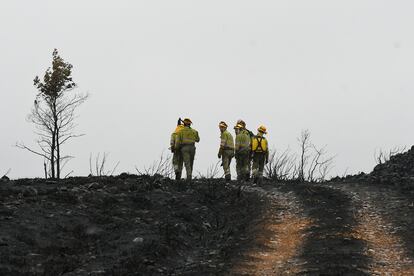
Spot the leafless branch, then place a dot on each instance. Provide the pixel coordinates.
(22, 146)
(161, 167)
(382, 156)
(213, 171)
(7, 172)
(281, 165)
(68, 174)
(100, 165)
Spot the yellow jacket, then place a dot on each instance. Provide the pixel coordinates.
(174, 135)
(243, 141)
(186, 136)
(226, 141)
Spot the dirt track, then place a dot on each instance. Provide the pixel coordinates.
(349, 229)
(132, 225)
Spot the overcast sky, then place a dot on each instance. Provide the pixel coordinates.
(342, 69)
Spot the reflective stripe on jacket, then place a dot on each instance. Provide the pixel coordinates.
(242, 140)
(186, 136)
(227, 141)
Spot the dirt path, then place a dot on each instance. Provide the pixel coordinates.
(333, 230)
(274, 252)
(330, 249)
(379, 216)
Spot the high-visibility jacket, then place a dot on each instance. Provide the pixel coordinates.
(243, 141)
(226, 141)
(186, 136)
(259, 144)
(174, 135)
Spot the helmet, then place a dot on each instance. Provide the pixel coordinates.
(187, 121)
(223, 124)
(262, 129)
(238, 126)
(242, 123)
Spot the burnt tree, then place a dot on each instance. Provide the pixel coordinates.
(53, 114)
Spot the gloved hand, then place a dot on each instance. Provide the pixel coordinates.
(172, 149)
(266, 160)
(219, 155)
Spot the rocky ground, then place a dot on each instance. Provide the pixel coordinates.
(141, 225)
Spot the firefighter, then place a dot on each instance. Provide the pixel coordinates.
(226, 150)
(241, 123)
(242, 152)
(259, 153)
(185, 143)
(177, 159)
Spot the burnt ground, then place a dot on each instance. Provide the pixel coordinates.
(330, 249)
(129, 225)
(140, 225)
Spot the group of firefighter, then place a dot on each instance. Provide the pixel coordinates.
(250, 151)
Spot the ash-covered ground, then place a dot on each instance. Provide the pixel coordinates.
(141, 225)
(126, 225)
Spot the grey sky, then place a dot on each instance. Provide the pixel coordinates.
(342, 69)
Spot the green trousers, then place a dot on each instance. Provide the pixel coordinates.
(177, 161)
(243, 165)
(258, 165)
(226, 157)
(188, 153)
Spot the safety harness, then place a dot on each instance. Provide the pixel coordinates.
(259, 144)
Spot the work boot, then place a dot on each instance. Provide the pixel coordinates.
(177, 176)
(228, 178)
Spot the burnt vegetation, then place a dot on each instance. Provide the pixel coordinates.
(310, 164)
(125, 225)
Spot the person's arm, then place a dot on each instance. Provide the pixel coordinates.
(222, 143)
(197, 137)
(223, 140)
(178, 139)
(172, 141)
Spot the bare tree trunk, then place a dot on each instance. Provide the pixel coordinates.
(52, 154)
(57, 155)
(56, 142)
(304, 146)
(301, 167)
(45, 168)
(302, 161)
